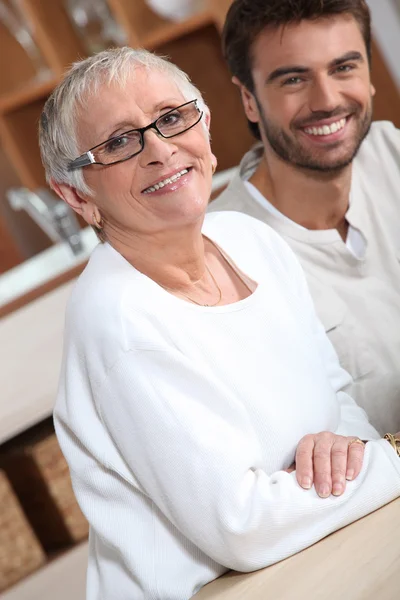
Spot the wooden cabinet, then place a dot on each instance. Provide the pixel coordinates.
(193, 44)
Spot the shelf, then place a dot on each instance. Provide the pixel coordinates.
(28, 93)
(35, 90)
(171, 31)
(27, 281)
(62, 579)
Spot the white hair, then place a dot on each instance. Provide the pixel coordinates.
(57, 128)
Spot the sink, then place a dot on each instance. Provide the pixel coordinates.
(46, 266)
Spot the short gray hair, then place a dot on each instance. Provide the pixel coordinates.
(57, 128)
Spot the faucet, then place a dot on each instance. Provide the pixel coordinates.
(52, 215)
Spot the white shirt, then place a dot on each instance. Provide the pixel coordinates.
(355, 241)
(357, 298)
(177, 421)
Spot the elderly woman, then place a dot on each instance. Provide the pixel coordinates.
(195, 372)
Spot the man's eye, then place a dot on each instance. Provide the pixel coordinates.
(344, 68)
(292, 81)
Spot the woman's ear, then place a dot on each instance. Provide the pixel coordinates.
(248, 101)
(81, 204)
(207, 117)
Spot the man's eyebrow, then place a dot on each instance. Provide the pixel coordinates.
(281, 71)
(352, 55)
(299, 70)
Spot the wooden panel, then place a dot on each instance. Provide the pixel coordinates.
(218, 8)
(54, 32)
(32, 91)
(27, 236)
(387, 98)
(22, 69)
(9, 253)
(195, 54)
(171, 31)
(18, 130)
(136, 18)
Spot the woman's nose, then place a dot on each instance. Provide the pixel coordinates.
(156, 148)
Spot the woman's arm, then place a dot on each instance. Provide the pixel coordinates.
(195, 454)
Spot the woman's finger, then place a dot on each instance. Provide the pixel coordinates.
(322, 463)
(355, 457)
(339, 454)
(304, 462)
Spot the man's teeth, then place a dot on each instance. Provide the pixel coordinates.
(326, 129)
(161, 184)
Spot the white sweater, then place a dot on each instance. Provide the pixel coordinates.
(178, 420)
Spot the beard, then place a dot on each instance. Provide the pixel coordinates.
(290, 150)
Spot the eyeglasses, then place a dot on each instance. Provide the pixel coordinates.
(130, 143)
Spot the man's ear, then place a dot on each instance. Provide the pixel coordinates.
(373, 90)
(248, 101)
(81, 204)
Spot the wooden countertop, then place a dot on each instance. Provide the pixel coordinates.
(359, 562)
(30, 359)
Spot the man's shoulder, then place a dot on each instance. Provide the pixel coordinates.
(380, 147)
(234, 197)
(239, 232)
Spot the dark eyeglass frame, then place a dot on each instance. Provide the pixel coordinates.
(86, 159)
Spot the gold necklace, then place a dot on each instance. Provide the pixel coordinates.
(200, 303)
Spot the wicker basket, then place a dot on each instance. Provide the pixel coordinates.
(20, 551)
(40, 476)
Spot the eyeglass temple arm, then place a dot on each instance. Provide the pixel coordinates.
(82, 161)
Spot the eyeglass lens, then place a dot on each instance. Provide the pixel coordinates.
(128, 144)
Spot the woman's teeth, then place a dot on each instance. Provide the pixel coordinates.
(161, 184)
(326, 129)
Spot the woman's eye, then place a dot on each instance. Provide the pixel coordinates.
(170, 118)
(117, 143)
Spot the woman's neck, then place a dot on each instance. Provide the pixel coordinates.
(175, 259)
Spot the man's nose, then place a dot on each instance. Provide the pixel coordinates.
(324, 95)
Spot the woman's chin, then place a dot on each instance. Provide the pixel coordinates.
(184, 208)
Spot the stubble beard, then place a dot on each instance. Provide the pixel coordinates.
(291, 151)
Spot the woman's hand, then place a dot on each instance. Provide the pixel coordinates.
(327, 461)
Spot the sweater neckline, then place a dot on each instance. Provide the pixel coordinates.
(177, 302)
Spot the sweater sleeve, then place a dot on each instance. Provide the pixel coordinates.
(196, 456)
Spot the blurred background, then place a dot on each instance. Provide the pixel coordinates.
(43, 247)
(39, 38)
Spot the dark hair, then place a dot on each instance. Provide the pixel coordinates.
(246, 19)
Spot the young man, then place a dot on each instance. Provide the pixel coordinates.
(323, 177)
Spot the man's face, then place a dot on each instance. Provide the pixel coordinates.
(313, 95)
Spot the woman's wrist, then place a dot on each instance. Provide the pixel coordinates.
(394, 441)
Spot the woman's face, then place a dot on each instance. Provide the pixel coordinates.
(124, 192)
